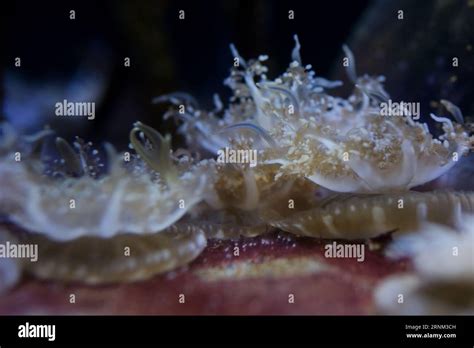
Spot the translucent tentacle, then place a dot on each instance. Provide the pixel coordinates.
(158, 156)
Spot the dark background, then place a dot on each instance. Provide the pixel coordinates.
(82, 59)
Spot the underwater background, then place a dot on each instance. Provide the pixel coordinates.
(83, 58)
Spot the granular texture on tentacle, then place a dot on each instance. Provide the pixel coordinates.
(215, 230)
(227, 223)
(361, 216)
(122, 258)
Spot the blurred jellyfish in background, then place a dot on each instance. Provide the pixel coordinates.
(29, 104)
